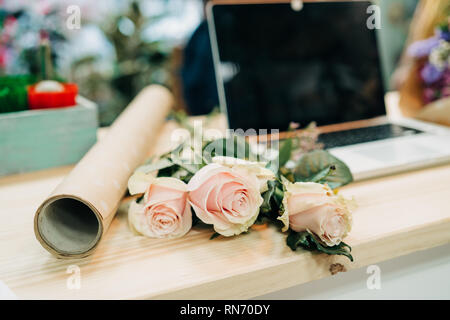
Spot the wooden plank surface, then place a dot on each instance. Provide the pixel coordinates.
(397, 215)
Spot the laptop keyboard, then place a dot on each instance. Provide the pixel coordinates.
(366, 134)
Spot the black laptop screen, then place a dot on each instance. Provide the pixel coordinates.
(279, 65)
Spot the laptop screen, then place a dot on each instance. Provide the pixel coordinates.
(275, 65)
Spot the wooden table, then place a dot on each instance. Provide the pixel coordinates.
(397, 215)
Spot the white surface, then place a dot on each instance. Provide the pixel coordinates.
(420, 275)
(387, 156)
(6, 293)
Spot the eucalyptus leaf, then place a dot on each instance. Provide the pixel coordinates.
(318, 163)
(176, 151)
(183, 175)
(156, 166)
(191, 168)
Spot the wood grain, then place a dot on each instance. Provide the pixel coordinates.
(397, 215)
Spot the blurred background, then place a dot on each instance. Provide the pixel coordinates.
(120, 46)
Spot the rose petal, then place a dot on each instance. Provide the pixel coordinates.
(166, 213)
(139, 182)
(203, 174)
(161, 194)
(226, 198)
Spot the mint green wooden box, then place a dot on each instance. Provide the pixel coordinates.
(38, 139)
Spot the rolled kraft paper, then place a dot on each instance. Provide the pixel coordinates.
(71, 222)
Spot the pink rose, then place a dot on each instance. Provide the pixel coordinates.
(315, 208)
(164, 212)
(228, 198)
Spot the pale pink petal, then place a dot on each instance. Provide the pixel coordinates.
(207, 217)
(227, 199)
(305, 201)
(310, 219)
(203, 174)
(166, 213)
(161, 194)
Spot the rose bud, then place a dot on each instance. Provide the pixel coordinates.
(313, 207)
(164, 212)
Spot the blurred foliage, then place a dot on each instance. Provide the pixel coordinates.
(138, 63)
(21, 31)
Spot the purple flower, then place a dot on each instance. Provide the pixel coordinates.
(444, 35)
(422, 48)
(430, 73)
(443, 32)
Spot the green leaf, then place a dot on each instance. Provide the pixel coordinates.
(181, 174)
(195, 219)
(234, 146)
(273, 197)
(298, 239)
(310, 242)
(176, 171)
(214, 235)
(170, 171)
(272, 206)
(139, 199)
(287, 174)
(285, 152)
(267, 196)
(316, 164)
(341, 249)
(278, 195)
(323, 174)
(284, 155)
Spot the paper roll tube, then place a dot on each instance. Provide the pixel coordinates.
(72, 221)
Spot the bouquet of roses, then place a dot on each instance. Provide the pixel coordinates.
(231, 184)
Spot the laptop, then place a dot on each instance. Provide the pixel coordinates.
(276, 64)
